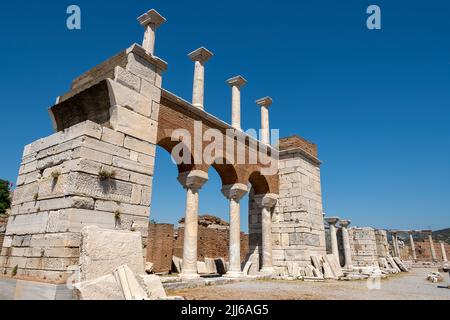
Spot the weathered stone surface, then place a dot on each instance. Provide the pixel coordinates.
(201, 267)
(130, 286)
(125, 97)
(99, 288)
(102, 251)
(210, 266)
(133, 124)
(112, 137)
(152, 286)
(139, 146)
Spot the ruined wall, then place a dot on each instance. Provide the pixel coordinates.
(97, 170)
(382, 243)
(298, 226)
(423, 250)
(363, 246)
(160, 247)
(212, 243)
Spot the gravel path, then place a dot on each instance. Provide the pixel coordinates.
(407, 286)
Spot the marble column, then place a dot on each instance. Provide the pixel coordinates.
(334, 243)
(150, 21)
(413, 246)
(235, 193)
(192, 181)
(346, 242)
(266, 202)
(264, 104)
(433, 250)
(236, 84)
(395, 244)
(199, 56)
(444, 253)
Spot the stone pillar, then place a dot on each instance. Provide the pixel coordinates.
(413, 247)
(395, 244)
(236, 84)
(150, 21)
(192, 181)
(346, 242)
(433, 251)
(265, 103)
(235, 193)
(334, 244)
(444, 253)
(199, 56)
(266, 202)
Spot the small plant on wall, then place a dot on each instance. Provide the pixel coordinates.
(106, 174)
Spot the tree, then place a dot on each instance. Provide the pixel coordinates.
(5, 201)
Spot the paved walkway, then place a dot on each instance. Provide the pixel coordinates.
(406, 286)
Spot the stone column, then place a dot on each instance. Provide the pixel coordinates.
(236, 84)
(334, 244)
(235, 193)
(199, 56)
(346, 242)
(433, 251)
(266, 202)
(444, 253)
(413, 247)
(395, 244)
(192, 181)
(265, 103)
(150, 21)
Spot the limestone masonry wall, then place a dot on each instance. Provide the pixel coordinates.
(95, 172)
(297, 226)
(363, 246)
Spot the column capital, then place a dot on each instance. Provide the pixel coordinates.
(268, 200)
(332, 220)
(201, 54)
(264, 102)
(151, 17)
(235, 191)
(237, 81)
(344, 223)
(193, 179)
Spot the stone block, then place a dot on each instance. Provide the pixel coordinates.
(152, 286)
(139, 146)
(133, 124)
(201, 267)
(101, 288)
(91, 154)
(176, 264)
(103, 251)
(141, 68)
(125, 97)
(133, 166)
(28, 224)
(113, 137)
(128, 79)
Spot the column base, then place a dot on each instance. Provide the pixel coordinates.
(189, 276)
(234, 274)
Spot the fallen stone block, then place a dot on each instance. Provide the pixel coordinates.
(153, 286)
(102, 288)
(210, 266)
(220, 265)
(103, 251)
(201, 267)
(247, 267)
(176, 264)
(129, 285)
(149, 267)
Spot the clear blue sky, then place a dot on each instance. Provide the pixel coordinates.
(376, 102)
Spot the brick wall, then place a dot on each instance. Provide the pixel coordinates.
(212, 243)
(423, 250)
(160, 247)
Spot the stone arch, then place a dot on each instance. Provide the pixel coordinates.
(168, 144)
(260, 184)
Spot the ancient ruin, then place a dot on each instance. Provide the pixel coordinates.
(95, 176)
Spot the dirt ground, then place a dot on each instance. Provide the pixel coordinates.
(406, 286)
